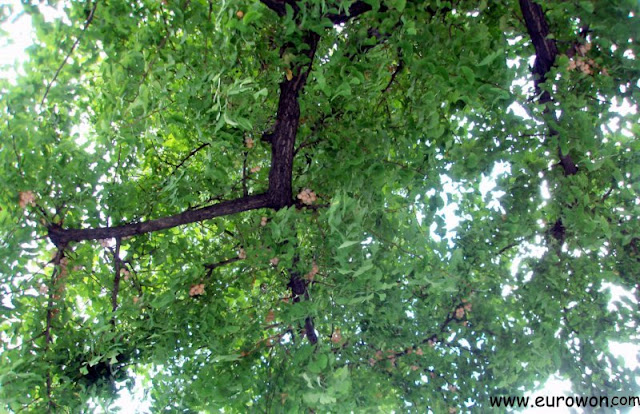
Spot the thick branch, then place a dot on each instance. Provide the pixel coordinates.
(279, 194)
(61, 237)
(279, 6)
(284, 136)
(355, 10)
(546, 50)
(298, 288)
(546, 53)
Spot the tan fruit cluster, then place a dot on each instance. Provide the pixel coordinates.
(196, 290)
(307, 196)
(271, 316)
(26, 198)
(312, 274)
(263, 221)
(64, 269)
(124, 273)
(459, 312)
(584, 64)
(336, 336)
(248, 142)
(255, 169)
(242, 254)
(274, 261)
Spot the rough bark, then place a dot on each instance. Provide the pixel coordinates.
(546, 53)
(298, 288)
(546, 49)
(61, 237)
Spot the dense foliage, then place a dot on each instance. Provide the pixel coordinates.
(242, 203)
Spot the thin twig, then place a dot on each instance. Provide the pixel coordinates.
(75, 44)
(212, 266)
(393, 76)
(306, 144)
(245, 191)
(50, 313)
(15, 149)
(185, 159)
(116, 280)
(507, 247)
(607, 194)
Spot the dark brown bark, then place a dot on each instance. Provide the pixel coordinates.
(546, 49)
(546, 53)
(355, 10)
(61, 237)
(284, 136)
(279, 6)
(279, 194)
(212, 266)
(55, 275)
(298, 288)
(116, 280)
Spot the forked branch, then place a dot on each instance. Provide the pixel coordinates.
(279, 194)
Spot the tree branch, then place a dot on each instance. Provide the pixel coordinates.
(355, 10)
(73, 47)
(286, 127)
(278, 6)
(212, 266)
(298, 288)
(57, 259)
(279, 194)
(546, 50)
(393, 76)
(185, 159)
(116, 280)
(245, 191)
(61, 237)
(546, 53)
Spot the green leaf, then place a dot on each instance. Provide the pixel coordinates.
(348, 243)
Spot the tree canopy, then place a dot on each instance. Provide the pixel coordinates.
(319, 206)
